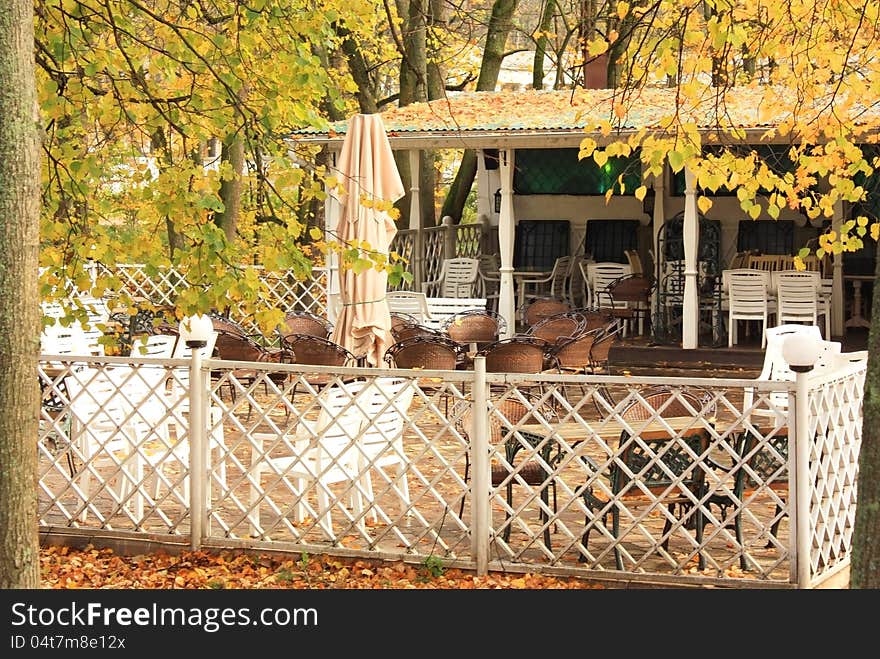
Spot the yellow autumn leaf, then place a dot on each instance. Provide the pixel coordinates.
(704, 204)
(597, 47)
(640, 192)
(622, 10)
(600, 157)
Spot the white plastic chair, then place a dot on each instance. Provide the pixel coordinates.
(320, 453)
(599, 276)
(457, 278)
(776, 368)
(117, 420)
(748, 293)
(555, 284)
(382, 441)
(414, 303)
(154, 345)
(798, 298)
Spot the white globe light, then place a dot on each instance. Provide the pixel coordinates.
(800, 351)
(196, 328)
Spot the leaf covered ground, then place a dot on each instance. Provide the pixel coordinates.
(65, 567)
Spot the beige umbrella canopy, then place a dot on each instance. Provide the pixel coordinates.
(367, 170)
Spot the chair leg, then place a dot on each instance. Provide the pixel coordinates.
(467, 466)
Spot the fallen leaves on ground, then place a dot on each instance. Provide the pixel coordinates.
(65, 567)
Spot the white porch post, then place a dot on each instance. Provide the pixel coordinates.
(506, 306)
(332, 211)
(690, 322)
(658, 220)
(484, 197)
(415, 217)
(838, 327)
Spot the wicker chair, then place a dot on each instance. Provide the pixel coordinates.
(400, 319)
(543, 307)
(305, 322)
(232, 346)
(427, 351)
(517, 354)
(432, 352)
(407, 330)
(474, 327)
(654, 467)
(317, 351)
(629, 300)
(558, 327)
(601, 350)
(505, 419)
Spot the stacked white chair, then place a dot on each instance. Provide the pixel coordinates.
(748, 298)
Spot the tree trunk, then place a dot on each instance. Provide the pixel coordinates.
(230, 189)
(493, 54)
(19, 319)
(541, 45)
(865, 562)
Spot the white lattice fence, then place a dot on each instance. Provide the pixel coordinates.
(161, 286)
(421, 495)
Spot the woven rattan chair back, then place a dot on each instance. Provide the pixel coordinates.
(305, 322)
(223, 324)
(573, 353)
(600, 351)
(593, 319)
(560, 326)
(427, 352)
(663, 403)
(478, 326)
(318, 351)
(409, 330)
(543, 308)
(517, 354)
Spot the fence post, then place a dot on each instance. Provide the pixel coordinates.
(198, 394)
(450, 235)
(801, 352)
(480, 489)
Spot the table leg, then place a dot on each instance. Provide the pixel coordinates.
(856, 319)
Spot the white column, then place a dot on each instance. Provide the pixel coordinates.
(838, 327)
(484, 195)
(332, 212)
(415, 216)
(506, 304)
(658, 220)
(690, 322)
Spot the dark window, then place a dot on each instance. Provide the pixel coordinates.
(538, 243)
(559, 171)
(766, 236)
(606, 240)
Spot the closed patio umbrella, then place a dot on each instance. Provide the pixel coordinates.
(367, 170)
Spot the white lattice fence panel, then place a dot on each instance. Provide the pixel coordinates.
(433, 252)
(409, 507)
(836, 429)
(111, 446)
(404, 244)
(468, 240)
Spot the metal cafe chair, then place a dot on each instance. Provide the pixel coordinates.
(506, 417)
(653, 468)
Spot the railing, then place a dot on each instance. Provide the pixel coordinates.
(425, 250)
(227, 491)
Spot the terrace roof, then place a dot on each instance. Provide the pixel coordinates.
(546, 119)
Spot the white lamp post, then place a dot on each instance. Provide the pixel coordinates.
(196, 330)
(801, 351)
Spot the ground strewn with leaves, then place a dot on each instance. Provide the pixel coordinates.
(65, 567)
